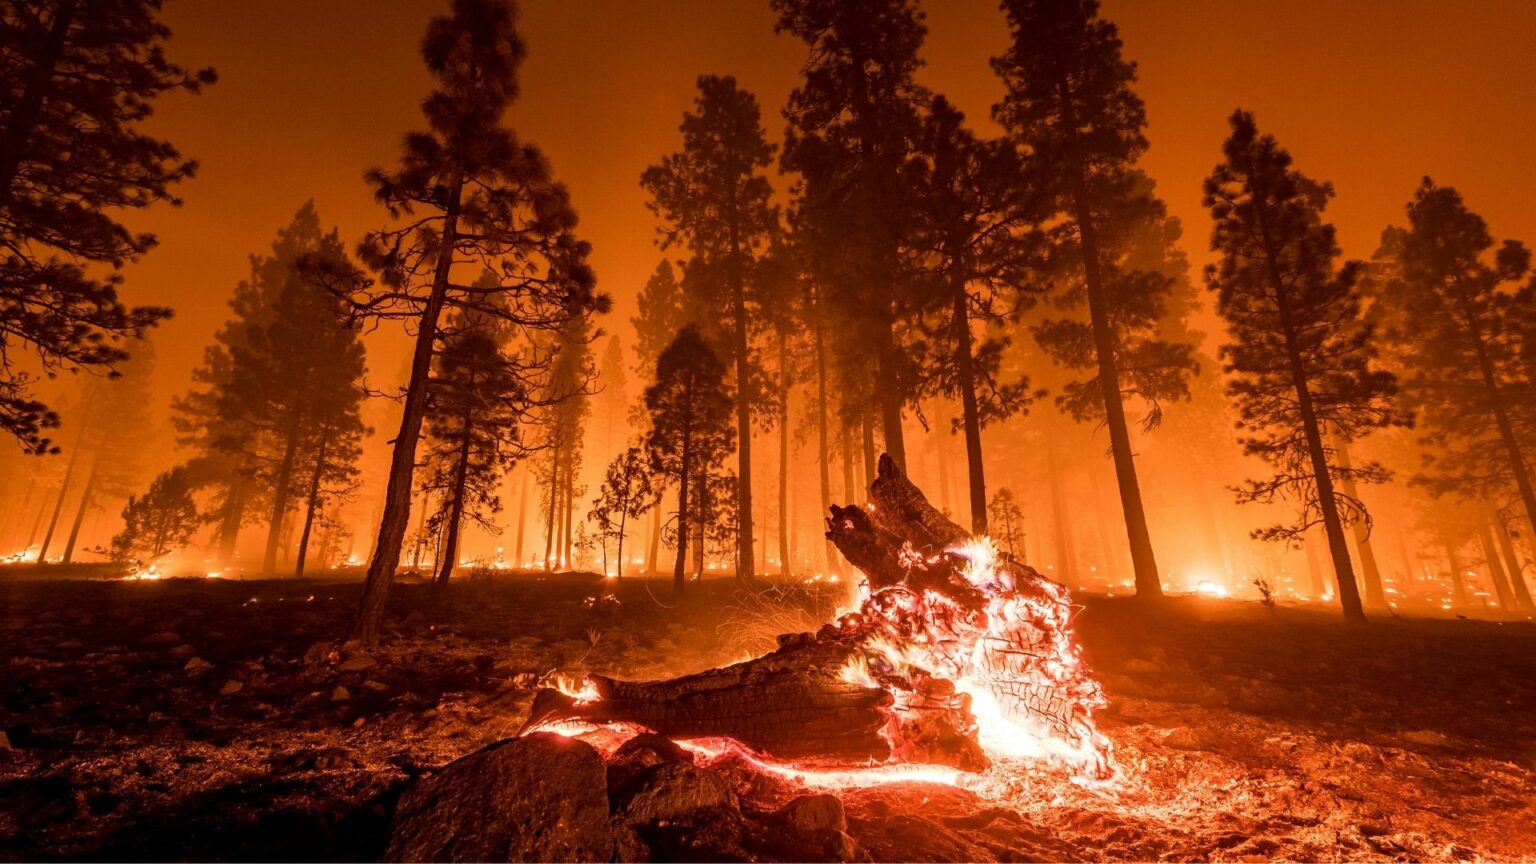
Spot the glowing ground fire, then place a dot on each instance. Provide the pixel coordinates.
(1008, 668)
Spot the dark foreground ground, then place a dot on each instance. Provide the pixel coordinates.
(212, 720)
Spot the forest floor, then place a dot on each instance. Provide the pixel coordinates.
(214, 720)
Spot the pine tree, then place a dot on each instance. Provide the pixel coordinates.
(972, 246)
(627, 493)
(852, 122)
(207, 418)
(691, 433)
(1462, 335)
(472, 435)
(663, 312)
(1302, 363)
(1070, 109)
(613, 399)
(467, 190)
(294, 393)
(714, 199)
(158, 522)
(567, 407)
(1008, 522)
(80, 77)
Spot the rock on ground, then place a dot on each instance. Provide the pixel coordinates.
(537, 798)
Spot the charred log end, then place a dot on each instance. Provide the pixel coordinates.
(549, 706)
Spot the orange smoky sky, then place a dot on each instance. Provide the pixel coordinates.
(1369, 94)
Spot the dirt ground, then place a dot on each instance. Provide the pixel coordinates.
(215, 720)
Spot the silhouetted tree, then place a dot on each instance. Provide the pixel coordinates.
(1301, 363)
(472, 436)
(1007, 522)
(970, 212)
(663, 311)
(1460, 332)
(207, 418)
(691, 434)
(852, 123)
(1070, 108)
(467, 190)
(714, 199)
(626, 493)
(158, 522)
(79, 78)
(294, 389)
(569, 407)
(612, 400)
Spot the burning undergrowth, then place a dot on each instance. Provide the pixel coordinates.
(957, 665)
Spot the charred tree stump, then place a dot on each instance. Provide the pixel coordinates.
(880, 684)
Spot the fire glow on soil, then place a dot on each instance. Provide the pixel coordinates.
(1015, 666)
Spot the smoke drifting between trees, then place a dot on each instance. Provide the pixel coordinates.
(1003, 308)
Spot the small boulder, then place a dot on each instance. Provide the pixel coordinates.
(320, 652)
(814, 813)
(1138, 666)
(640, 753)
(815, 827)
(197, 665)
(231, 687)
(357, 663)
(341, 694)
(5, 741)
(672, 790)
(537, 798)
(163, 639)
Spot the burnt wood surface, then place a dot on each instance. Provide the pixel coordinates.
(793, 702)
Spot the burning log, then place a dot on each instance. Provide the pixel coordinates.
(953, 654)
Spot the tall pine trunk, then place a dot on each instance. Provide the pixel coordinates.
(1143, 561)
(889, 393)
(312, 502)
(1516, 568)
(281, 486)
(1375, 593)
(522, 519)
(1312, 432)
(1066, 570)
(231, 515)
(58, 504)
(553, 513)
(652, 558)
(869, 456)
(850, 488)
(822, 438)
(1501, 587)
(450, 555)
(1517, 463)
(85, 505)
(744, 530)
(971, 411)
(941, 418)
(1458, 577)
(679, 580)
(1314, 568)
(402, 467)
(783, 455)
(568, 504)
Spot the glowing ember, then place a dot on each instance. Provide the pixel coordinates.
(580, 689)
(1015, 663)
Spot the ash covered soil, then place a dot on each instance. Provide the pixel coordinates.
(219, 720)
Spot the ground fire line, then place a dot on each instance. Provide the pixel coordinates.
(956, 659)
